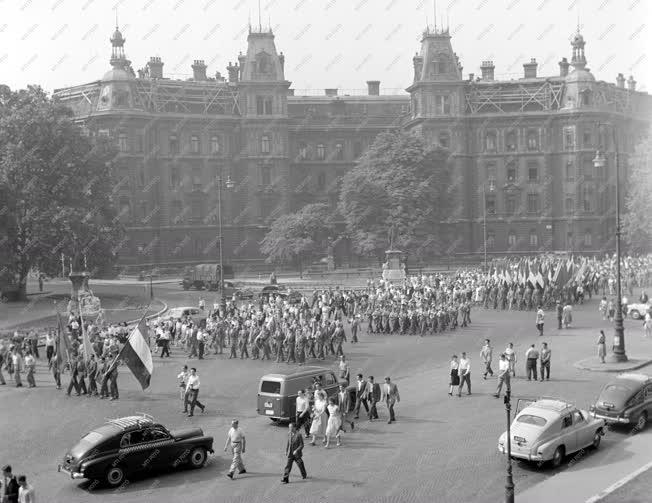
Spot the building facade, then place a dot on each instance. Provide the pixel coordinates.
(247, 149)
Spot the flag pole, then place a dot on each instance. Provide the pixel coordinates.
(120, 352)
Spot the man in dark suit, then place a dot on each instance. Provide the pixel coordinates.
(373, 396)
(360, 396)
(11, 486)
(390, 396)
(294, 453)
(344, 403)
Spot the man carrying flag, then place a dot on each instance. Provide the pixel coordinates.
(136, 355)
(62, 356)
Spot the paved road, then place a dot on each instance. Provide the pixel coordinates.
(441, 449)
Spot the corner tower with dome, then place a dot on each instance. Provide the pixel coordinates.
(527, 142)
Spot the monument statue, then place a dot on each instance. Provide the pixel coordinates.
(82, 299)
(392, 234)
(392, 269)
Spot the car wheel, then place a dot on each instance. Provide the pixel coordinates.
(635, 314)
(558, 456)
(641, 422)
(197, 457)
(597, 438)
(115, 476)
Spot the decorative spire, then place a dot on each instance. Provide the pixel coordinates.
(118, 58)
(578, 61)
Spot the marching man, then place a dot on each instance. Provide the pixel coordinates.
(236, 439)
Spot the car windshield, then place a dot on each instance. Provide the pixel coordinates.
(530, 419)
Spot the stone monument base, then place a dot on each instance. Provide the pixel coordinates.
(82, 299)
(393, 270)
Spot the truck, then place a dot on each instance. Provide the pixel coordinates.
(205, 276)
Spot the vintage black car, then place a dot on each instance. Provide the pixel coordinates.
(627, 399)
(125, 446)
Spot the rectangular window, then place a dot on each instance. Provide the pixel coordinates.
(268, 106)
(339, 151)
(587, 139)
(266, 176)
(260, 105)
(511, 239)
(491, 172)
(175, 178)
(123, 142)
(490, 142)
(139, 142)
(532, 172)
(265, 144)
(570, 171)
(303, 151)
(534, 239)
(510, 141)
(511, 172)
(587, 169)
(321, 152)
(195, 146)
(511, 205)
(491, 205)
(215, 144)
(196, 179)
(569, 137)
(588, 198)
(173, 144)
(196, 210)
(532, 141)
(321, 181)
(143, 211)
(357, 149)
(442, 105)
(588, 238)
(532, 203)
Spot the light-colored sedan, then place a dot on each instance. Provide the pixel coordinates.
(637, 310)
(549, 429)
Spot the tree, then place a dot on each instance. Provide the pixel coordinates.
(401, 182)
(56, 188)
(297, 237)
(637, 223)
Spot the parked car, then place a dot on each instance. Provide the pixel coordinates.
(179, 312)
(122, 447)
(627, 399)
(637, 310)
(205, 276)
(241, 293)
(549, 429)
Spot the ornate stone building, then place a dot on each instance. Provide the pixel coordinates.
(523, 147)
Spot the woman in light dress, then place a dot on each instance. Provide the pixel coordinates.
(319, 419)
(334, 422)
(602, 348)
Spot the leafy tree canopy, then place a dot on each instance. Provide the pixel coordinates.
(400, 182)
(55, 186)
(637, 222)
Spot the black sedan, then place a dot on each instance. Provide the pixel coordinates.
(126, 446)
(627, 399)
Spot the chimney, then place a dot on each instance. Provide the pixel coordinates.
(471, 77)
(199, 70)
(373, 87)
(530, 69)
(155, 67)
(330, 91)
(290, 92)
(233, 72)
(563, 67)
(620, 81)
(631, 83)
(487, 70)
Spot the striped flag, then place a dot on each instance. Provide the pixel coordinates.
(137, 355)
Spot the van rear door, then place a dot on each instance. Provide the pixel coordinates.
(269, 398)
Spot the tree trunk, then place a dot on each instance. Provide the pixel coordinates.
(22, 287)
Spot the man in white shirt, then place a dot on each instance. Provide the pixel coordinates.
(539, 319)
(303, 412)
(464, 371)
(503, 375)
(487, 354)
(192, 388)
(25, 491)
(49, 347)
(235, 438)
(510, 354)
(531, 357)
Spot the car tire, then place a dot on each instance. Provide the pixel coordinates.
(558, 456)
(635, 314)
(641, 421)
(197, 457)
(597, 438)
(115, 476)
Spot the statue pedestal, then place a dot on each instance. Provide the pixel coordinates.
(393, 270)
(82, 299)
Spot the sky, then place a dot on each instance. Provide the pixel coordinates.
(327, 43)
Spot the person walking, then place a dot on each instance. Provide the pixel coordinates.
(344, 403)
(510, 354)
(546, 353)
(531, 357)
(294, 454)
(56, 372)
(192, 388)
(113, 382)
(454, 373)
(182, 377)
(464, 371)
(373, 397)
(560, 314)
(486, 354)
(344, 368)
(30, 366)
(91, 368)
(11, 486)
(647, 324)
(302, 412)
(26, 492)
(602, 347)
(319, 419)
(539, 319)
(334, 426)
(49, 347)
(360, 396)
(355, 324)
(235, 439)
(17, 366)
(503, 376)
(391, 397)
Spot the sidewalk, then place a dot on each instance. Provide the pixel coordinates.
(585, 480)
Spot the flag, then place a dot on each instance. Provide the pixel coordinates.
(539, 279)
(62, 344)
(86, 342)
(137, 355)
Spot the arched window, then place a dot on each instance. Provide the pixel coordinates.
(511, 238)
(490, 142)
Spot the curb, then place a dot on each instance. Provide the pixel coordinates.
(612, 488)
(155, 315)
(589, 364)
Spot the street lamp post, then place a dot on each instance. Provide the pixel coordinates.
(509, 481)
(229, 184)
(618, 354)
(484, 220)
